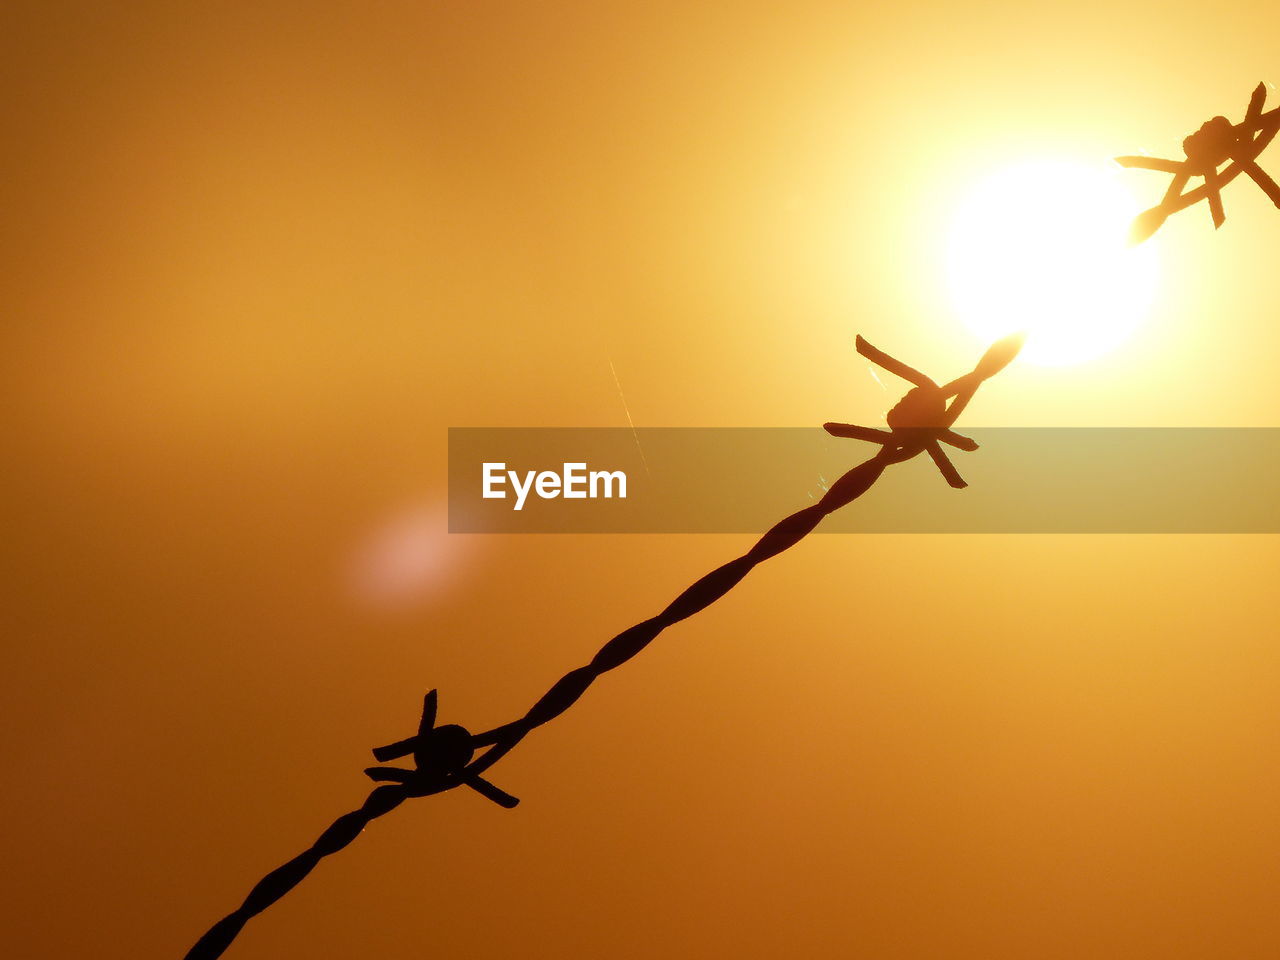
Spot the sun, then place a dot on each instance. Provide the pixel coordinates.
(1042, 246)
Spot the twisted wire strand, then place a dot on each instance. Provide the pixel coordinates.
(562, 695)
(783, 535)
(287, 876)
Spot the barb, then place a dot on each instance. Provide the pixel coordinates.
(443, 755)
(1216, 142)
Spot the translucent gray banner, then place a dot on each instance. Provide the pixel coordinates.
(743, 480)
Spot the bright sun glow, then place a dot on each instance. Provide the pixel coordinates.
(1042, 247)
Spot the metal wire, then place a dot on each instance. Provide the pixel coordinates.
(435, 773)
(562, 695)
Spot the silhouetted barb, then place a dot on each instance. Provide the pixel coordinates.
(922, 419)
(443, 755)
(1216, 142)
(440, 757)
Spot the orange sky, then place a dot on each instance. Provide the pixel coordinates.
(261, 256)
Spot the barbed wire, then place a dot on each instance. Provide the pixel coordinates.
(443, 755)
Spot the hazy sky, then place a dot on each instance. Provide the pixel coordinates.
(260, 256)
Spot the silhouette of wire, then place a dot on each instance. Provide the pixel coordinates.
(919, 420)
(783, 535)
(562, 695)
(284, 878)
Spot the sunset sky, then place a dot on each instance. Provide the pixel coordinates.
(261, 256)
